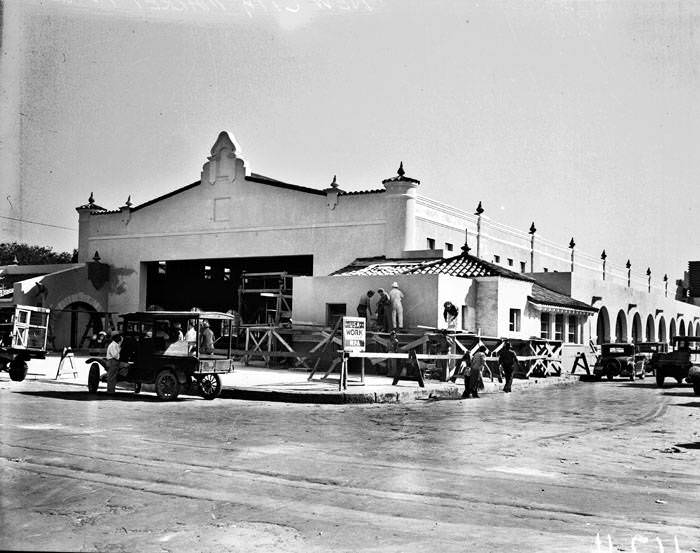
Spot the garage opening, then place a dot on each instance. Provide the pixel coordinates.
(213, 284)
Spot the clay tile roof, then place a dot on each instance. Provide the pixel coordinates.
(379, 266)
(546, 297)
(466, 266)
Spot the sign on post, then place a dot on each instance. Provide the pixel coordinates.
(354, 340)
(354, 333)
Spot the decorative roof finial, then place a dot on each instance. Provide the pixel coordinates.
(466, 248)
(91, 199)
(400, 172)
(479, 209)
(334, 184)
(648, 271)
(128, 201)
(532, 230)
(96, 258)
(603, 255)
(665, 278)
(572, 244)
(628, 264)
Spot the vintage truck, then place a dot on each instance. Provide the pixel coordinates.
(683, 363)
(23, 335)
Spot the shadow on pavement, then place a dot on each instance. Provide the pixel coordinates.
(683, 393)
(691, 404)
(87, 396)
(691, 445)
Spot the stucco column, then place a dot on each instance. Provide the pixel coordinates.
(400, 230)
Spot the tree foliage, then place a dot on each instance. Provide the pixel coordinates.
(33, 255)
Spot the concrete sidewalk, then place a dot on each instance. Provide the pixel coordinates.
(264, 384)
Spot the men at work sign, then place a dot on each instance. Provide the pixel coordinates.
(354, 333)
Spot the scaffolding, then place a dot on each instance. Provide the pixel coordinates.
(274, 294)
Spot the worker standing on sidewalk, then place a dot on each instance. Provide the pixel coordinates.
(113, 351)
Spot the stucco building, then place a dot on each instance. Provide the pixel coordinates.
(193, 247)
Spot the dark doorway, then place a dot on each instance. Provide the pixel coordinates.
(212, 284)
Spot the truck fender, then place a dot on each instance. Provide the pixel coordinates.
(100, 360)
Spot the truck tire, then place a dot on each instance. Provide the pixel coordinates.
(210, 386)
(611, 368)
(659, 378)
(167, 385)
(18, 369)
(94, 378)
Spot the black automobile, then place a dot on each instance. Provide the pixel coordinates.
(618, 360)
(681, 364)
(176, 351)
(645, 350)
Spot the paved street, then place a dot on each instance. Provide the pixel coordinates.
(556, 469)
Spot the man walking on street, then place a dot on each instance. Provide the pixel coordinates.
(509, 361)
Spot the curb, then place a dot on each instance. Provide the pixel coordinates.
(444, 392)
(441, 391)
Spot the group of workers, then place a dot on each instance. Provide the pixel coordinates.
(389, 308)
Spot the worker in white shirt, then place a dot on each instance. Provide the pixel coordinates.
(113, 351)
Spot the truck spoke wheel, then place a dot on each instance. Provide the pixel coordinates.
(167, 385)
(210, 386)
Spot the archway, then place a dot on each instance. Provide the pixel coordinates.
(691, 330)
(672, 330)
(681, 328)
(621, 327)
(637, 328)
(650, 329)
(603, 326)
(75, 324)
(697, 329)
(662, 330)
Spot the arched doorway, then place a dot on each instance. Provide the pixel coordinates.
(650, 329)
(84, 322)
(662, 330)
(681, 328)
(691, 332)
(637, 328)
(621, 327)
(672, 330)
(697, 329)
(603, 327)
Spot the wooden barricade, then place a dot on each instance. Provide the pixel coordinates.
(316, 348)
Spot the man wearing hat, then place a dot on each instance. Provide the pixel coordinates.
(395, 296)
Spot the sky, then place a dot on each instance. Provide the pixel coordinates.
(582, 117)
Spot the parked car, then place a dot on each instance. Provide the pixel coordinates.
(155, 350)
(618, 360)
(645, 350)
(678, 363)
(23, 334)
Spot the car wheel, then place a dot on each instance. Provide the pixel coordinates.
(659, 379)
(609, 376)
(18, 369)
(94, 378)
(167, 385)
(210, 386)
(696, 388)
